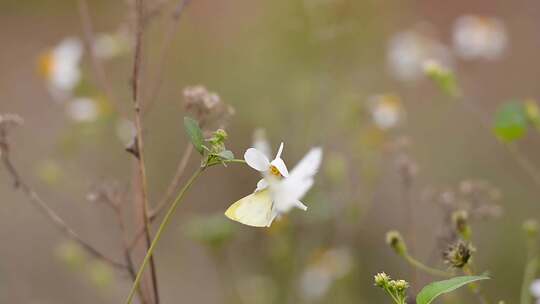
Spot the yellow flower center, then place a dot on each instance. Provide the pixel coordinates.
(274, 171)
(46, 64)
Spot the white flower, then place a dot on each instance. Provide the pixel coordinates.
(125, 131)
(83, 109)
(110, 45)
(535, 289)
(286, 189)
(477, 37)
(329, 266)
(279, 191)
(60, 66)
(408, 50)
(386, 111)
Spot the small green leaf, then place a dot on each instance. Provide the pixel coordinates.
(510, 122)
(443, 77)
(435, 289)
(194, 132)
(227, 155)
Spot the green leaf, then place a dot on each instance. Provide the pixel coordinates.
(510, 122)
(194, 132)
(227, 155)
(443, 77)
(435, 289)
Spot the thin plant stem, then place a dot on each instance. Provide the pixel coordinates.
(528, 276)
(521, 159)
(531, 268)
(392, 295)
(44, 208)
(159, 233)
(420, 266)
(174, 182)
(140, 233)
(165, 47)
(96, 63)
(137, 104)
(475, 288)
(127, 252)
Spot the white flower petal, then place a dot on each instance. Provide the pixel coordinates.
(309, 165)
(261, 185)
(256, 160)
(280, 165)
(535, 288)
(300, 205)
(291, 189)
(278, 155)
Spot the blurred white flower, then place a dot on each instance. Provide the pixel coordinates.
(535, 289)
(386, 111)
(110, 45)
(408, 50)
(83, 109)
(278, 192)
(125, 131)
(60, 65)
(329, 266)
(477, 37)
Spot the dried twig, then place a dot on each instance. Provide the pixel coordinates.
(96, 63)
(175, 183)
(167, 198)
(43, 207)
(136, 92)
(165, 46)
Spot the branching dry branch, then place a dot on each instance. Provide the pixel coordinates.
(20, 184)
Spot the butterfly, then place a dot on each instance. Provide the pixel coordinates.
(279, 191)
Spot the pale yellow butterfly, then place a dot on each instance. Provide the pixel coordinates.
(253, 210)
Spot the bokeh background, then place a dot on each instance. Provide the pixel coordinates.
(307, 72)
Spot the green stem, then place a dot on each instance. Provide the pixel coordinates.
(240, 161)
(159, 233)
(473, 287)
(392, 295)
(530, 271)
(425, 268)
(528, 277)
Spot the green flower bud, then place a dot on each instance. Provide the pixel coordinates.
(443, 77)
(401, 285)
(395, 240)
(531, 227)
(460, 220)
(381, 279)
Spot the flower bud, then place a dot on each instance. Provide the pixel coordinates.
(443, 77)
(531, 227)
(381, 279)
(460, 219)
(395, 240)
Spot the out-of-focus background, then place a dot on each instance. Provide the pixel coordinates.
(343, 74)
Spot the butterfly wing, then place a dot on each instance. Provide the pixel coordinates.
(253, 210)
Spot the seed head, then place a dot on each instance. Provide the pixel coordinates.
(458, 254)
